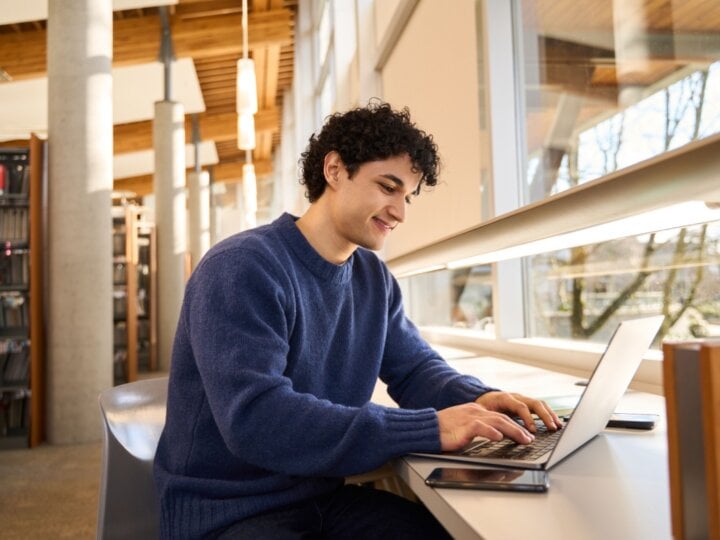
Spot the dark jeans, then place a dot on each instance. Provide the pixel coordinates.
(352, 512)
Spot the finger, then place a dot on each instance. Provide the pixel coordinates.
(516, 404)
(548, 416)
(542, 410)
(523, 411)
(485, 429)
(511, 429)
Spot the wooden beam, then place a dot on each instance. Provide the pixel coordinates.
(232, 171)
(222, 172)
(137, 136)
(23, 55)
(140, 185)
(192, 10)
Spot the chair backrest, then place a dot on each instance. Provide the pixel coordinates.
(133, 418)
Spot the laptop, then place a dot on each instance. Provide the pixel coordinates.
(605, 388)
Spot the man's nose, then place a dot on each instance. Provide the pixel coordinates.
(397, 210)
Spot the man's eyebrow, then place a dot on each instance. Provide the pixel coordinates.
(394, 179)
(399, 182)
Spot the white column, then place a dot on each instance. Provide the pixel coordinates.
(198, 214)
(79, 232)
(369, 81)
(633, 50)
(171, 220)
(508, 151)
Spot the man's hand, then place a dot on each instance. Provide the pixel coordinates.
(522, 407)
(488, 417)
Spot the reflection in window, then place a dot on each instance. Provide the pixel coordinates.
(583, 292)
(607, 84)
(610, 83)
(460, 298)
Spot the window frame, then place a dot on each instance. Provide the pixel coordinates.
(667, 174)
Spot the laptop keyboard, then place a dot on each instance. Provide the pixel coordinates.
(508, 449)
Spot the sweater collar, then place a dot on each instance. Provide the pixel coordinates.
(299, 245)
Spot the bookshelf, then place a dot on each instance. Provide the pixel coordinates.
(22, 339)
(146, 294)
(134, 290)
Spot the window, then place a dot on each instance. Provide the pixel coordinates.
(606, 85)
(583, 292)
(460, 298)
(600, 87)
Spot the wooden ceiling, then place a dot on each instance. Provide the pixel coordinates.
(210, 32)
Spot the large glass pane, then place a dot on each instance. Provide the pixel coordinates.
(460, 298)
(323, 34)
(609, 83)
(583, 292)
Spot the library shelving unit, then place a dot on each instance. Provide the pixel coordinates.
(134, 290)
(146, 271)
(22, 335)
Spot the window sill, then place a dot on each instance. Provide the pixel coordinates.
(571, 357)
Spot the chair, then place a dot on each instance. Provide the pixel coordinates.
(133, 418)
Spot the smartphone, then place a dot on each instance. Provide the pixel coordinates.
(627, 420)
(495, 479)
(632, 421)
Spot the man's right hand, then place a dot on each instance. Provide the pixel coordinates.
(460, 424)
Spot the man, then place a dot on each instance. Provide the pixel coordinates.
(283, 333)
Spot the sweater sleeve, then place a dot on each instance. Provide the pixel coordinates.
(238, 316)
(416, 375)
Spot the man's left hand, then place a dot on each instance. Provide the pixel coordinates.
(521, 406)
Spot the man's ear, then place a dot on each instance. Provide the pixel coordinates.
(331, 168)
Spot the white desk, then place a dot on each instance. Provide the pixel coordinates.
(615, 487)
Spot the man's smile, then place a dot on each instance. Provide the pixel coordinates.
(382, 225)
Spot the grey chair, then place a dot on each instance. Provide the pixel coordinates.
(133, 417)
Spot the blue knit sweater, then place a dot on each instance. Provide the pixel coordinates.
(276, 355)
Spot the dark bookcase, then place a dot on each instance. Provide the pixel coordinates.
(134, 290)
(22, 335)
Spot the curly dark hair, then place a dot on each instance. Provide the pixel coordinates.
(366, 134)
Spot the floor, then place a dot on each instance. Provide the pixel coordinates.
(49, 492)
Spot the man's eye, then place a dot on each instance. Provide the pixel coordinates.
(387, 188)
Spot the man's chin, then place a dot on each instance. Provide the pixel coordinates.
(375, 245)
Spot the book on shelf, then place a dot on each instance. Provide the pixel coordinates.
(13, 310)
(16, 369)
(119, 304)
(120, 334)
(14, 269)
(13, 224)
(14, 174)
(16, 411)
(691, 380)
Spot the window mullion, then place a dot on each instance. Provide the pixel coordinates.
(504, 106)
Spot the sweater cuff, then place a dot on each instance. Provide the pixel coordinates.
(412, 430)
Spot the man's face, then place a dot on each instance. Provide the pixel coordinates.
(368, 206)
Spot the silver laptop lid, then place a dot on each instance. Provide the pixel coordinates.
(610, 379)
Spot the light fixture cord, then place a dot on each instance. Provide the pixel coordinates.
(248, 153)
(245, 28)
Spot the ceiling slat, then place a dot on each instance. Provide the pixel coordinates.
(219, 127)
(23, 54)
(222, 172)
(208, 31)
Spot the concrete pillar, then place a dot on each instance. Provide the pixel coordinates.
(637, 44)
(171, 220)
(198, 214)
(217, 217)
(79, 232)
